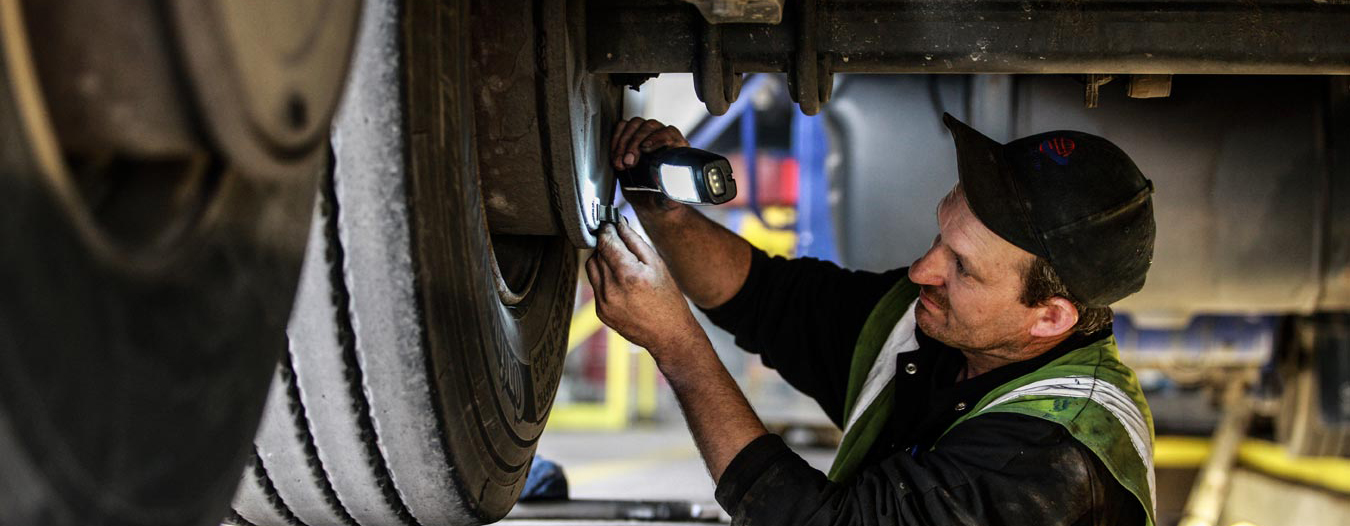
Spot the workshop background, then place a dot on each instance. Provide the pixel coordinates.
(827, 187)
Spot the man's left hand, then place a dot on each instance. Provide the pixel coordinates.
(635, 295)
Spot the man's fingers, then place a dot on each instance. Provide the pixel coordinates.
(607, 279)
(612, 250)
(636, 136)
(593, 274)
(634, 125)
(616, 143)
(655, 142)
(668, 136)
(632, 152)
(614, 136)
(637, 245)
(677, 137)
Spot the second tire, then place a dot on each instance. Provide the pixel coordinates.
(424, 350)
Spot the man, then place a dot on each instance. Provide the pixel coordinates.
(981, 385)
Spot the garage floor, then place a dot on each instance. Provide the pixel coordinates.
(660, 463)
(654, 463)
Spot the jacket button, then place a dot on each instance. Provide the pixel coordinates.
(960, 406)
(911, 368)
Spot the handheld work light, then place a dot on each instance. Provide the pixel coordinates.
(687, 175)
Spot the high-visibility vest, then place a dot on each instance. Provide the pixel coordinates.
(1088, 391)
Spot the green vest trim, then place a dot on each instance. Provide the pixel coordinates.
(1088, 391)
(861, 431)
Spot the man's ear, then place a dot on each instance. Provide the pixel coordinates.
(1054, 317)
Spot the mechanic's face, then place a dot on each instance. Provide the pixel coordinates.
(971, 281)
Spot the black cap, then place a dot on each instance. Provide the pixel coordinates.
(1070, 197)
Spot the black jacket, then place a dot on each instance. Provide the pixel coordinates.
(803, 318)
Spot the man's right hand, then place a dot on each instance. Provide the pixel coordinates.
(688, 242)
(637, 136)
(634, 138)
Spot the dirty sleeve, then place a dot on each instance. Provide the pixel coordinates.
(999, 468)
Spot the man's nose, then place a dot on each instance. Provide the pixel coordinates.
(925, 270)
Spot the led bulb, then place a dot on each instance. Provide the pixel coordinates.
(715, 181)
(678, 183)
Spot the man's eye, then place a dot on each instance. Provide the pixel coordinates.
(960, 267)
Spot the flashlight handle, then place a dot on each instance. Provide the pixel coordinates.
(640, 177)
(706, 176)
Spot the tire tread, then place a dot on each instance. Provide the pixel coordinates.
(346, 335)
(296, 408)
(258, 497)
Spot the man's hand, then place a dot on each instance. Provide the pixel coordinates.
(631, 140)
(636, 296)
(637, 136)
(689, 243)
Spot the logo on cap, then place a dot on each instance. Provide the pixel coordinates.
(1058, 149)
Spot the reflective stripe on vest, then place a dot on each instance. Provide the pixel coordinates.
(901, 340)
(1104, 394)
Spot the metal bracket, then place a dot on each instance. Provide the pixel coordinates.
(979, 36)
(604, 213)
(1150, 86)
(715, 80)
(1092, 88)
(810, 79)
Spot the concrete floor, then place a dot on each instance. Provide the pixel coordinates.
(511, 522)
(658, 463)
(653, 463)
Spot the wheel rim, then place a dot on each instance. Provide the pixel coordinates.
(133, 212)
(515, 265)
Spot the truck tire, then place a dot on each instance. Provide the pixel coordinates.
(425, 347)
(128, 394)
(147, 275)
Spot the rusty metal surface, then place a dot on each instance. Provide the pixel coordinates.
(994, 36)
(511, 149)
(540, 117)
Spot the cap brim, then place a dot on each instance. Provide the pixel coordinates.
(990, 191)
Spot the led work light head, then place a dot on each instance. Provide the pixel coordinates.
(687, 175)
